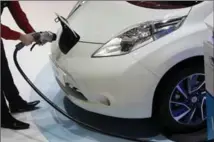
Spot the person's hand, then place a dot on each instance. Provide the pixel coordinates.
(26, 39)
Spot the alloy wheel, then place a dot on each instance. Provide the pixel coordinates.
(188, 100)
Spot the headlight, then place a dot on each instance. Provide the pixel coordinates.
(137, 36)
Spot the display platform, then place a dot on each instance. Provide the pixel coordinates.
(56, 127)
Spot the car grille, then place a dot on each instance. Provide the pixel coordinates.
(72, 91)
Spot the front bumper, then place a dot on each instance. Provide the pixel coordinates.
(115, 86)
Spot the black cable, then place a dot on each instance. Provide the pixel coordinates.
(62, 111)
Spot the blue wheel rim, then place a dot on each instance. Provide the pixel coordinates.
(187, 102)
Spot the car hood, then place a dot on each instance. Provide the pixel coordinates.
(101, 20)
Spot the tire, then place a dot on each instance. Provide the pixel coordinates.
(164, 109)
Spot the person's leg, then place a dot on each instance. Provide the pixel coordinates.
(10, 89)
(5, 114)
(16, 103)
(7, 120)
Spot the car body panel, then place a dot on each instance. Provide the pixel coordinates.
(120, 79)
(162, 55)
(129, 81)
(176, 47)
(93, 19)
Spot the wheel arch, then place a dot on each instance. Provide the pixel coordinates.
(182, 64)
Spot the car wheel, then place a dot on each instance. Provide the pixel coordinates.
(182, 101)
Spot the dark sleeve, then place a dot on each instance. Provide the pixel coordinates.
(9, 34)
(20, 17)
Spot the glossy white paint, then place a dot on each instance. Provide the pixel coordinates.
(93, 19)
(127, 81)
(121, 79)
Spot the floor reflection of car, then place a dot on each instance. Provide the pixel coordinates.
(137, 60)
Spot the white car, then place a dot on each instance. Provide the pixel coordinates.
(135, 60)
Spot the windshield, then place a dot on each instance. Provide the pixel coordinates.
(164, 4)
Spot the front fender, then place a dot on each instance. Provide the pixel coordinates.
(161, 55)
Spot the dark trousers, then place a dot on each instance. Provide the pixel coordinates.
(9, 90)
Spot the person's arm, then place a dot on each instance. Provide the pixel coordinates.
(20, 17)
(9, 34)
